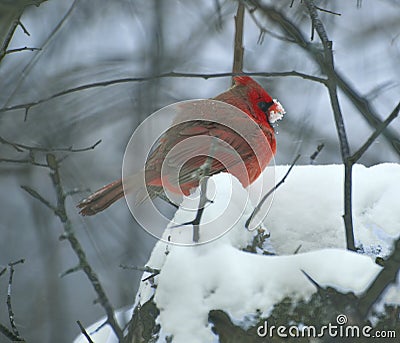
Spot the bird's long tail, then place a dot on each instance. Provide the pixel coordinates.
(107, 195)
(101, 199)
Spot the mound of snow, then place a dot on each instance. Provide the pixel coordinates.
(306, 211)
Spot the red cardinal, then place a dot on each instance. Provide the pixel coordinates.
(255, 150)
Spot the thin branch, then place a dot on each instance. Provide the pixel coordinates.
(327, 11)
(146, 269)
(357, 155)
(70, 270)
(238, 51)
(271, 191)
(9, 306)
(22, 26)
(360, 102)
(26, 71)
(22, 147)
(82, 328)
(27, 106)
(263, 29)
(24, 161)
(218, 9)
(153, 272)
(20, 261)
(9, 334)
(37, 196)
(25, 48)
(68, 234)
(315, 154)
(327, 64)
(309, 278)
(8, 38)
(335, 79)
(202, 204)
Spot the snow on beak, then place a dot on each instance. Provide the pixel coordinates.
(276, 112)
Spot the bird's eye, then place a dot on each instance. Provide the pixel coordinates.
(264, 106)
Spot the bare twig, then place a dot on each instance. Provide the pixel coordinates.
(7, 40)
(27, 106)
(9, 306)
(263, 29)
(326, 62)
(82, 328)
(357, 155)
(153, 272)
(237, 67)
(12, 21)
(68, 234)
(22, 26)
(271, 191)
(328, 66)
(25, 72)
(32, 150)
(218, 8)
(327, 11)
(146, 269)
(25, 48)
(205, 172)
(202, 204)
(23, 161)
(335, 80)
(22, 147)
(360, 102)
(9, 334)
(316, 153)
(37, 196)
(297, 249)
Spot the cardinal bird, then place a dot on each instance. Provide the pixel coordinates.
(254, 148)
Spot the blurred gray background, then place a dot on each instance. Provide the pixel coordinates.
(83, 42)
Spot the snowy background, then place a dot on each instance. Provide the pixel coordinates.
(89, 41)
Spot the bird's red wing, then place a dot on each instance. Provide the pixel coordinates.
(187, 147)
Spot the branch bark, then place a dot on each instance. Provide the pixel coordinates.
(60, 211)
(382, 281)
(10, 14)
(237, 67)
